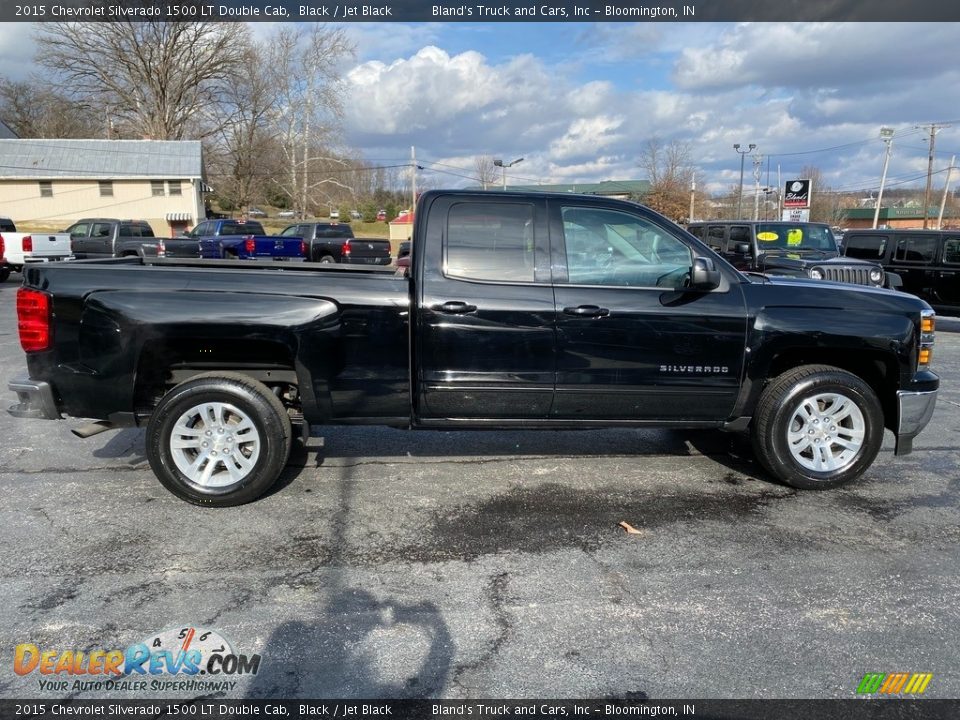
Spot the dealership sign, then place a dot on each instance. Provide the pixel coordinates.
(796, 194)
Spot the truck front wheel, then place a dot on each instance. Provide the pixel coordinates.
(218, 439)
(817, 427)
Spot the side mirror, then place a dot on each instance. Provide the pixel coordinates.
(742, 248)
(703, 275)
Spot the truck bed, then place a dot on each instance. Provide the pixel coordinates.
(115, 317)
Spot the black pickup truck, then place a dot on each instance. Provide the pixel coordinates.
(520, 310)
(334, 242)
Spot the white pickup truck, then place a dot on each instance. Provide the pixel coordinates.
(19, 249)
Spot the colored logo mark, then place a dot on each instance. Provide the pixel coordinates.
(894, 683)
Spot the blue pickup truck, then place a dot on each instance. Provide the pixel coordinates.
(234, 239)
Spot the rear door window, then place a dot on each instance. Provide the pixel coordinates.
(951, 251)
(865, 247)
(101, 230)
(916, 249)
(490, 241)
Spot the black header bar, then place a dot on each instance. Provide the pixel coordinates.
(559, 11)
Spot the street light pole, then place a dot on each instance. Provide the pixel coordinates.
(886, 134)
(742, 154)
(757, 162)
(501, 164)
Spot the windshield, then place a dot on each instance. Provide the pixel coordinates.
(795, 236)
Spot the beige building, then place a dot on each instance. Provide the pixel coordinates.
(52, 183)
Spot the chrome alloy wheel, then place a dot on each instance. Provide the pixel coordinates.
(826, 432)
(215, 445)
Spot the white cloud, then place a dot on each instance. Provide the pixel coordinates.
(586, 137)
(413, 94)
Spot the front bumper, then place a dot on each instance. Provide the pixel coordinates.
(35, 399)
(915, 410)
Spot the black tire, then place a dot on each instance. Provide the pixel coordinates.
(327, 259)
(4, 274)
(782, 410)
(242, 400)
(230, 255)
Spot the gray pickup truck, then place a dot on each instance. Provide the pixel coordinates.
(107, 237)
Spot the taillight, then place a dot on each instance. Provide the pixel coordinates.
(27, 243)
(250, 245)
(1, 247)
(346, 247)
(33, 320)
(161, 249)
(928, 326)
(303, 248)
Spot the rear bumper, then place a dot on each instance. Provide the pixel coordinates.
(915, 411)
(350, 260)
(35, 399)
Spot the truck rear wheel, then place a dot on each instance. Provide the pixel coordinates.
(817, 427)
(218, 439)
(4, 274)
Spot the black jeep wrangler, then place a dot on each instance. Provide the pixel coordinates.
(795, 249)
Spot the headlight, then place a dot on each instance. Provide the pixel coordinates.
(876, 275)
(816, 273)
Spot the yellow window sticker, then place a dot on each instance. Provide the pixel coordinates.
(767, 236)
(795, 236)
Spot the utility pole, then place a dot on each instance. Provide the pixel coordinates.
(693, 191)
(757, 163)
(946, 187)
(934, 127)
(886, 134)
(742, 154)
(413, 179)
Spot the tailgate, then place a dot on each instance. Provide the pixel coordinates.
(368, 250)
(276, 247)
(40, 245)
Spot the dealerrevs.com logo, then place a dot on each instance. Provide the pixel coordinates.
(180, 659)
(894, 683)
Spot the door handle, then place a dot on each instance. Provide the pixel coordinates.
(454, 307)
(947, 274)
(587, 311)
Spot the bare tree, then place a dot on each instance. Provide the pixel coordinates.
(305, 69)
(33, 112)
(161, 80)
(824, 203)
(485, 170)
(244, 148)
(669, 172)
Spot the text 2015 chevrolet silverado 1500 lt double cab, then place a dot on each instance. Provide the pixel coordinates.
(520, 310)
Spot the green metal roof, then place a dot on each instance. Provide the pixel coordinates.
(896, 213)
(606, 187)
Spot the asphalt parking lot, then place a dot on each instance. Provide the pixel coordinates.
(484, 565)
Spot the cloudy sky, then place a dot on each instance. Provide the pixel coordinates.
(579, 101)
